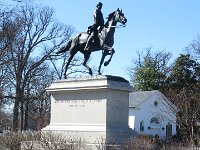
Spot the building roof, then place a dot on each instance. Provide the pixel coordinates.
(135, 98)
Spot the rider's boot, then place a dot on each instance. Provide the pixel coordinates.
(89, 41)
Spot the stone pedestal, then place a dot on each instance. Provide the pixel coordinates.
(93, 108)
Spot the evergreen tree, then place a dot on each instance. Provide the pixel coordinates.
(148, 76)
(149, 71)
(184, 73)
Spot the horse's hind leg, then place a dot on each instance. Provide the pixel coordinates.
(68, 63)
(86, 57)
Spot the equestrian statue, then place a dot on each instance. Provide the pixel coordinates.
(99, 36)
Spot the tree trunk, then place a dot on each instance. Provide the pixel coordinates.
(26, 116)
(22, 115)
(16, 107)
(16, 115)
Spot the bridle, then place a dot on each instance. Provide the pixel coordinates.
(118, 26)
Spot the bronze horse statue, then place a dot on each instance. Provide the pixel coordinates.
(104, 43)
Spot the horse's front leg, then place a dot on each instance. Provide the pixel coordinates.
(111, 55)
(104, 54)
(86, 58)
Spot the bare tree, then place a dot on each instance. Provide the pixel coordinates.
(37, 36)
(194, 48)
(8, 2)
(37, 103)
(7, 34)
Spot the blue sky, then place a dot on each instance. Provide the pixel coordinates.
(162, 24)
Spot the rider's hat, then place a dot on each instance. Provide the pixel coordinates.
(99, 4)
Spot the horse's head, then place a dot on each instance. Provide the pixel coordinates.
(119, 17)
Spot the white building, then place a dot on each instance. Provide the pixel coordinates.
(150, 112)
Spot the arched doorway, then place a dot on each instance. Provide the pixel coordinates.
(155, 126)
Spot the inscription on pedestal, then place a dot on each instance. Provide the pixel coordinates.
(78, 103)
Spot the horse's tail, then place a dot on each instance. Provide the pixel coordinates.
(66, 47)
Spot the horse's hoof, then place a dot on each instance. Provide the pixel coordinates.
(100, 73)
(106, 63)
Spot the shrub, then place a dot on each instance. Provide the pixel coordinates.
(12, 140)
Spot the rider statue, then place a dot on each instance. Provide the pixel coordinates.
(96, 27)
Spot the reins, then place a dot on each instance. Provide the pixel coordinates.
(119, 26)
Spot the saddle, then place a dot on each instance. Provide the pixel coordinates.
(96, 31)
(92, 28)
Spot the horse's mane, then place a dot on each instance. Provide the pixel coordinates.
(110, 15)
